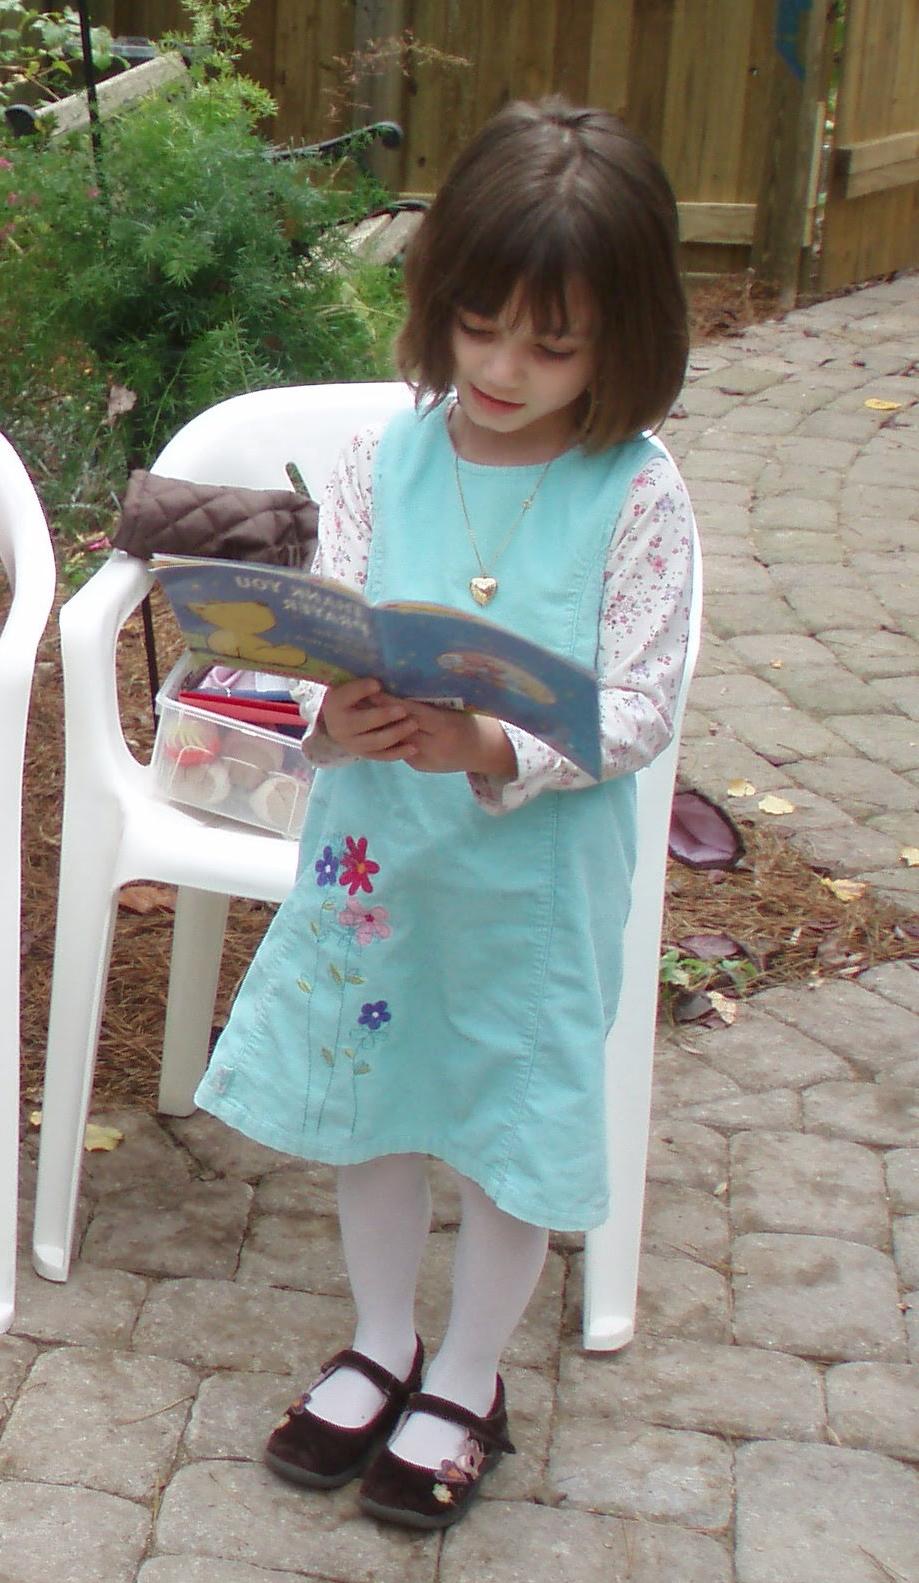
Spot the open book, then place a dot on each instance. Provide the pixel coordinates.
(289, 622)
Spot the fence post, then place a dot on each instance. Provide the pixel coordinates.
(801, 29)
(378, 94)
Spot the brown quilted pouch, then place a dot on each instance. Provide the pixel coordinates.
(171, 516)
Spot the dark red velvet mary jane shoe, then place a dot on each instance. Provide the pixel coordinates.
(416, 1497)
(307, 1450)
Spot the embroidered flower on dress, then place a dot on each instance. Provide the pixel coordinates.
(356, 866)
(326, 867)
(373, 1014)
(368, 923)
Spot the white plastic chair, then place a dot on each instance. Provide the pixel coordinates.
(612, 1250)
(116, 829)
(28, 560)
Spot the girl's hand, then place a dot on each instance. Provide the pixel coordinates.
(367, 723)
(450, 739)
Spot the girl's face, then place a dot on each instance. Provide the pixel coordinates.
(514, 382)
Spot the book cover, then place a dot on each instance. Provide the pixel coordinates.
(288, 622)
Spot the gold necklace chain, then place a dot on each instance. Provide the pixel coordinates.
(484, 587)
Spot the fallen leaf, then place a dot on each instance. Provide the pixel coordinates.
(98, 1138)
(877, 405)
(726, 1009)
(710, 947)
(909, 855)
(720, 1190)
(741, 788)
(34, 1118)
(147, 898)
(776, 665)
(845, 889)
(770, 804)
(120, 401)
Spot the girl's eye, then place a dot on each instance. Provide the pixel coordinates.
(554, 353)
(474, 329)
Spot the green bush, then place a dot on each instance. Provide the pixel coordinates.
(188, 267)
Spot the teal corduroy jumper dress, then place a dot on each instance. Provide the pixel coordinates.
(441, 979)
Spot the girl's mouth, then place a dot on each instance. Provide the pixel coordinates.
(493, 403)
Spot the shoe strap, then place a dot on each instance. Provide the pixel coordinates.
(388, 1383)
(490, 1432)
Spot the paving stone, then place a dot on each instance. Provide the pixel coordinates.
(684, 1220)
(233, 1414)
(716, 658)
(743, 691)
(885, 1114)
(294, 1251)
(803, 1183)
(219, 1325)
(778, 479)
(782, 734)
(101, 1418)
(711, 766)
(226, 1152)
(906, 1248)
(810, 812)
(819, 1297)
(161, 1230)
(56, 1535)
(789, 649)
(776, 1108)
(902, 1168)
(740, 467)
(832, 690)
(801, 512)
(682, 1297)
(740, 1392)
(727, 572)
(532, 1544)
(684, 1152)
(875, 1406)
(678, 1071)
(903, 826)
(867, 1031)
(147, 1154)
(760, 1052)
(643, 1472)
(93, 1307)
(208, 1510)
(902, 692)
(16, 1358)
(872, 654)
(889, 738)
(299, 1189)
(848, 849)
(731, 614)
(911, 1310)
(205, 1569)
(811, 1513)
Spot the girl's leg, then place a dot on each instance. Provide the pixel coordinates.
(498, 1263)
(384, 1211)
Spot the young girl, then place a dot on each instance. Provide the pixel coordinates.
(442, 977)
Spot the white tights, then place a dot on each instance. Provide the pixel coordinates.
(385, 1212)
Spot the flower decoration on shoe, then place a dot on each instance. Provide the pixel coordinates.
(416, 1497)
(308, 1450)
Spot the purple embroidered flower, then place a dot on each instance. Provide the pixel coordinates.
(373, 1015)
(326, 867)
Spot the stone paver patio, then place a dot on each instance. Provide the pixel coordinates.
(764, 1425)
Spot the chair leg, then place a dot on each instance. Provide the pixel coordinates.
(612, 1250)
(87, 906)
(197, 947)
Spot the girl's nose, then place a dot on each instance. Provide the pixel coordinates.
(503, 365)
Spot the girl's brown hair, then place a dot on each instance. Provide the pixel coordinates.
(545, 194)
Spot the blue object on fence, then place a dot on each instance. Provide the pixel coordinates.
(789, 17)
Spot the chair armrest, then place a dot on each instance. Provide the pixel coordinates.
(90, 624)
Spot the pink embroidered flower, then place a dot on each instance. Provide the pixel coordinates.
(356, 866)
(368, 923)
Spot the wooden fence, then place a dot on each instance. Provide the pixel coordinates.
(792, 143)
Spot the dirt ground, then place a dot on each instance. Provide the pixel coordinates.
(788, 925)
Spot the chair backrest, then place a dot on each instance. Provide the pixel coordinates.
(250, 439)
(28, 561)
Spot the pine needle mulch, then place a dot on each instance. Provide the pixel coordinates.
(774, 905)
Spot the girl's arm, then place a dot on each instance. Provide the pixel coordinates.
(641, 648)
(343, 553)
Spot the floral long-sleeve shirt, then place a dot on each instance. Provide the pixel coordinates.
(641, 642)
